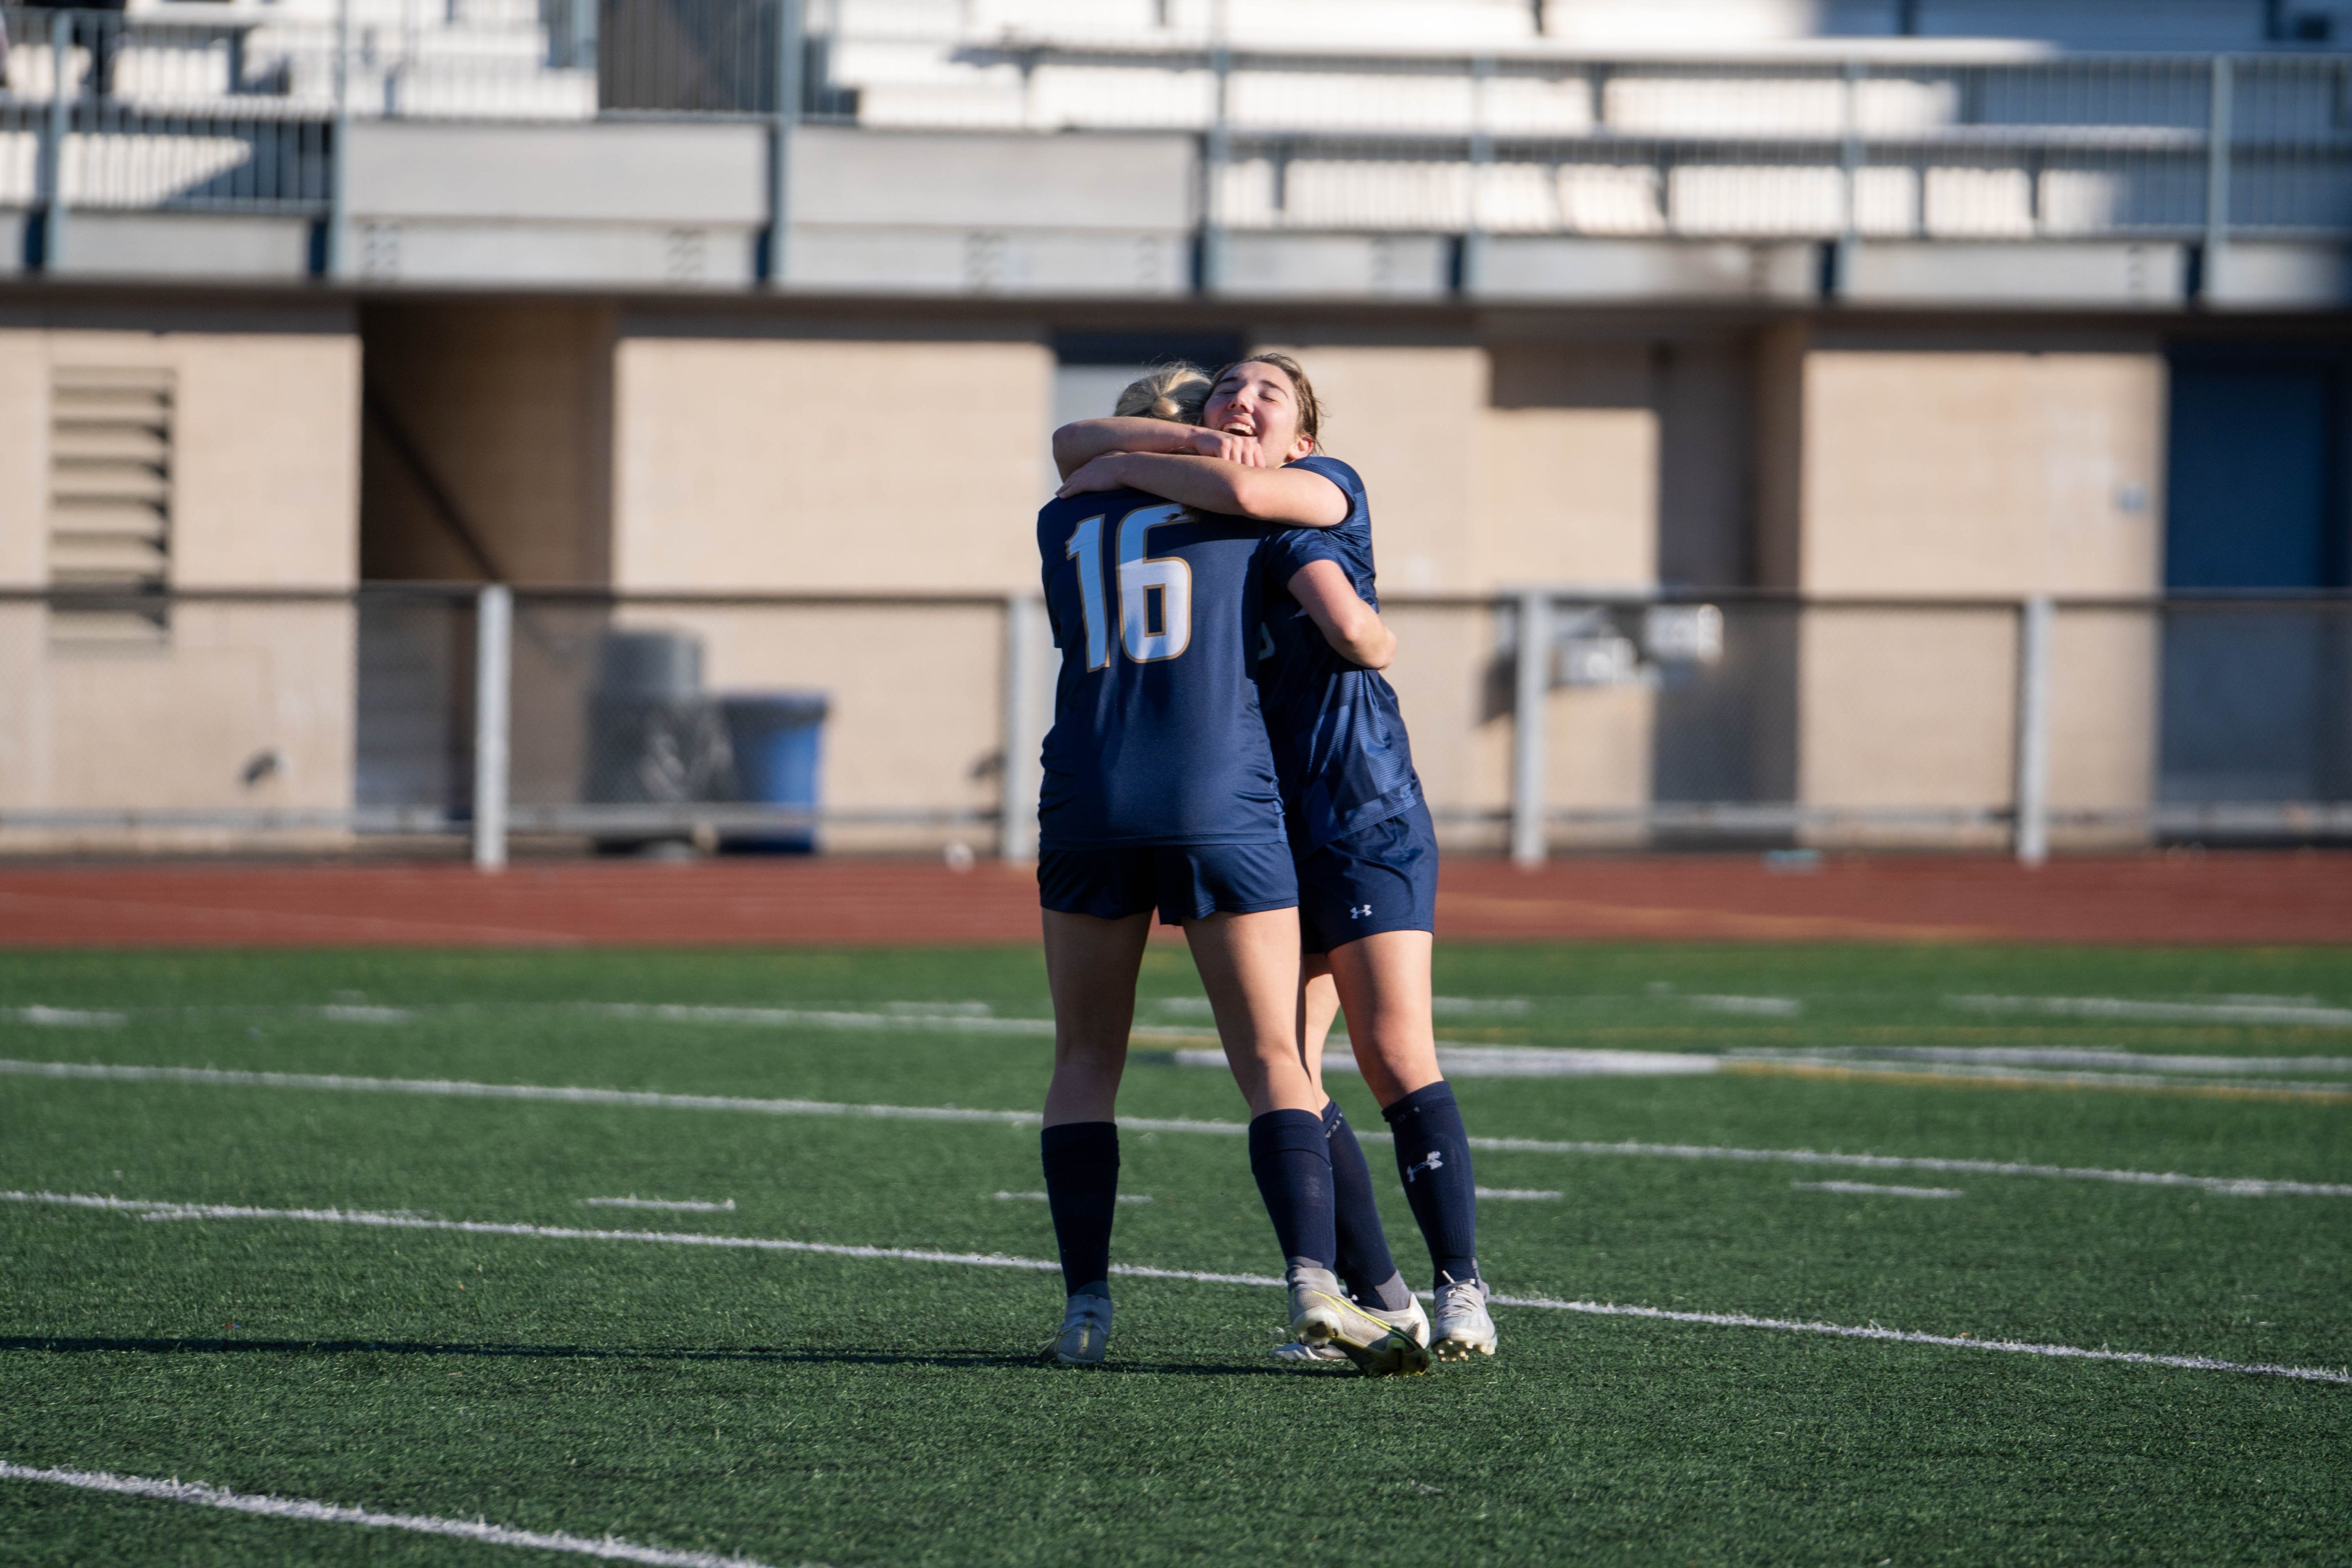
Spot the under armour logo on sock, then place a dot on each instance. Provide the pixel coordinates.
(1359, 911)
(1436, 1162)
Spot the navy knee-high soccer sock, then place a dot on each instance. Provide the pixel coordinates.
(1365, 1266)
(1433, 1151)
(1293, 1167)
(1082, 1189)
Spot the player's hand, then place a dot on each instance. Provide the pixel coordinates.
(1098, 473)
(1242, 449)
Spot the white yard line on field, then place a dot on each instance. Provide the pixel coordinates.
(66, 1018)
(1041, 1197)
(176, 1490)
(1930, 1070)
(2108, 1057)
(1519, 1062)
(159, 1210)
(2234, 1186)
(1871, 1189)
(678, 1205)
(1514, 1194)
(2224, 1010)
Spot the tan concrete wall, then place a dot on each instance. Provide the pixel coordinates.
(1567, 479)
(264, 493)
(1983, 473)
(178, 726)
(265, 489)
(784, 464)
(23, 458)
(509, 407)
(2001, 474)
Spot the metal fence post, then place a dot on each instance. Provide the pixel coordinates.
(493, 681)
(1530, 688)
(2219, 115)
(53, 145)
(2031, 789)
(336, 259)
(1217, 151)
(1850, 150)
(780, 140)
(1482, 157)
(1024, 615)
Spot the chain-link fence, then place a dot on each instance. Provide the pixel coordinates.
(1542, 722)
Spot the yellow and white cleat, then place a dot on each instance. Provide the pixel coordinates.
(1410, 1321)
(1085, 1336)
(1321, 1315)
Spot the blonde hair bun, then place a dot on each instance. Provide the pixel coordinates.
(1173, 392)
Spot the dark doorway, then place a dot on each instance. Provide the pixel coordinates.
(2253, 694)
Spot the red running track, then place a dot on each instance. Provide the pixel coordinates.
(2234, 898)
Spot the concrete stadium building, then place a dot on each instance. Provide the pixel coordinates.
(1767, 355)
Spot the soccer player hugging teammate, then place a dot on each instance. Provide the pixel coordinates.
(1161, 794)
(1365, 851)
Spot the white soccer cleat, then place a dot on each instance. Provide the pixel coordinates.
(1321, 1315)
(1465, 1327)
(1085, 1336)
(1411, 1321)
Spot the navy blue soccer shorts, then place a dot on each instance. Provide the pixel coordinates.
(1380, 878)
(1182, 881)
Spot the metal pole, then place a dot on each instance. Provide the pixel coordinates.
(338, 257)
(1217, 152)
(780, 140)
(2219, 115)
(1017, 832)
(1849, 163)
(2032, 790)
(53, 150)
(493, 680)
(1529, 690)
(1482, 156)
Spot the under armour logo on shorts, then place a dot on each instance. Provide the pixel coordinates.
(1359, 911)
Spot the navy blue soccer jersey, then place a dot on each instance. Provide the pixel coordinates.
(1157, 737)
(1339, 746)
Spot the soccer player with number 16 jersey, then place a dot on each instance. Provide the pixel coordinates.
(1161, 795)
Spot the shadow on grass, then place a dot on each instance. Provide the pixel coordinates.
(759, 1355)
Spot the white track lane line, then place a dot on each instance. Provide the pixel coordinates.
(203, 1496)
(158, 1210)
(2234, 1186)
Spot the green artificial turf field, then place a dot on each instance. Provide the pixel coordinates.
(826, 1406)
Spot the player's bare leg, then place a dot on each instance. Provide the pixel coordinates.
(1249, 967)
(1384, 987)
(1090, 969)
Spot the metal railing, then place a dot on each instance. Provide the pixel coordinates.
(1545, 721)
(146, 112)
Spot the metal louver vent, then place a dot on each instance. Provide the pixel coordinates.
(111, 500)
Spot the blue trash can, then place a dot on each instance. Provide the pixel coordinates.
(777, 738)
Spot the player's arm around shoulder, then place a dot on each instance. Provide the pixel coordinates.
(1082, 441)
(1353, 628)
(1287, 496)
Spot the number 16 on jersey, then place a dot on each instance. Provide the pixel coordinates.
(1155, 592)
